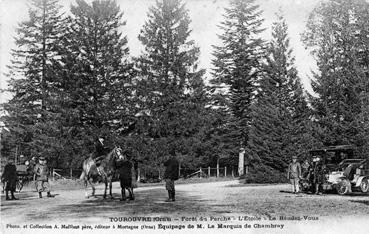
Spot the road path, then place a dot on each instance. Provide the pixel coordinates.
(218, 199)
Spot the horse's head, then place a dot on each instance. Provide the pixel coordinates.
(118, 152)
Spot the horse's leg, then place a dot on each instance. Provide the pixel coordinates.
(85, 182)
(106, 186)
(111, 188)
(92, 186)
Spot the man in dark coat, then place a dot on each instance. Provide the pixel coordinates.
(42, 177)
(124, 167)
(100, 150)
(170, 175)
(318, 173)
(9, 177)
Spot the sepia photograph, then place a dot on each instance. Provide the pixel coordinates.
(184, 116)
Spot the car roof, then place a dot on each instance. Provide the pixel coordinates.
(334, 148)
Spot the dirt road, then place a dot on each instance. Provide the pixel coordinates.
(217, 199)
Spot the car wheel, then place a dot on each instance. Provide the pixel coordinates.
(364, 185)
(342, 187)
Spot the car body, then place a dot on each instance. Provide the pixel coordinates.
(344, 172)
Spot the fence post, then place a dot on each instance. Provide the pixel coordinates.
(232, 173)
(71, 173)
(208, 171)
(225, 171)
(218, 167)
(53, 175)
(200, 172)
(138, 174)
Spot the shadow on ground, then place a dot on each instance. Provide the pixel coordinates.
(147, 203)
(365, 202)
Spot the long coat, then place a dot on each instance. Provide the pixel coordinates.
(100, 149)
(171, 169)
(10, 176)
(318, 173)
(294, 171)
(124, 169)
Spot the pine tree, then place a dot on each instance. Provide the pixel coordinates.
(169, 85)
(94, 76)
(30, 113)
(280, 116)
(237, 68)
(337, 33)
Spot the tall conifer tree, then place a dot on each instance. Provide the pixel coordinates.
(337, 33)
(31, 111)
(280, 116)
(94, 76)
(237, 68)
(170, 86)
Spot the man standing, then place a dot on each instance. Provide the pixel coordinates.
(124, 167)
(294, 174)
(318, 173)
(9, 178)
(42, 177)
(170, 175)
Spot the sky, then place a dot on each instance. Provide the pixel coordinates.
(206, 15)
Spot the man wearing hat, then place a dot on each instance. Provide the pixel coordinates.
(294, 174)
(318, 173)
(100, 150)
(42, 177)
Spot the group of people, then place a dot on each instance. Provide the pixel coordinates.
(39, 169)
(311, 173)
(125, 171)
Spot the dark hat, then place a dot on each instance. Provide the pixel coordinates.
(294, 157)
(42, 158)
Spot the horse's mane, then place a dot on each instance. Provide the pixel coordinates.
(109, 158)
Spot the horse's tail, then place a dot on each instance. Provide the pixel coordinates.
(82, 176)
(84, 168)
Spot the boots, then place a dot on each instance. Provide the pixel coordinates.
(123, 195)
(173, 195)
(7, 195)
(49, 194)
(169, 196)
(13, 197)
(131, 195)
(39, 194)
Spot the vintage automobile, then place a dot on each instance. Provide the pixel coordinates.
(24, 177)
(344, 173)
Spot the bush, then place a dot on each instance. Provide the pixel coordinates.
(264, 174)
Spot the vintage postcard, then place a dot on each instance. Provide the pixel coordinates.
(184, 116)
